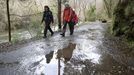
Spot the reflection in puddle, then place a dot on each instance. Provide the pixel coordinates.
(55, 61)
(70, 59)
(49, 57)
(66, 52)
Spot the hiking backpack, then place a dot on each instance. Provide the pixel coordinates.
(74, 17)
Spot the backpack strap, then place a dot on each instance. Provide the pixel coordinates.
(70, 13)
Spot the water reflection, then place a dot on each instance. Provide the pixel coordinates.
(49, 57)
(54, 62)
(66, 53)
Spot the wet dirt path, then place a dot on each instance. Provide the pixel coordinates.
(84, 53)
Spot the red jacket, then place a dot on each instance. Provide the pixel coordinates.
(67, 14)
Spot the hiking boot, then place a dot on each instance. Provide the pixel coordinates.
(63, 35)
(52, 34)
(71, 33)
(44, 36)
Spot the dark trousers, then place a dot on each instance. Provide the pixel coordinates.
(71, 27)
(47, 27)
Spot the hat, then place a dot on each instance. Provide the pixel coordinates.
(66, 4)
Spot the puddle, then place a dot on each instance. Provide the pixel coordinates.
(53, 63)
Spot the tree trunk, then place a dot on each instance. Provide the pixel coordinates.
(8, 16)
(59, 14)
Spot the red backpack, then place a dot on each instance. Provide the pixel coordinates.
(74, 18)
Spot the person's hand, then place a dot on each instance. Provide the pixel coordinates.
(68, 20)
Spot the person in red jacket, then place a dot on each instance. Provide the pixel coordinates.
(67, 17)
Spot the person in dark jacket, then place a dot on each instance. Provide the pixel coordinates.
(48, 19)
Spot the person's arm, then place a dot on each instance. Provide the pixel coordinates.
(52, 17)
(43, 17)
(63, 15)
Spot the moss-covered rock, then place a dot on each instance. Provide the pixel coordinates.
(123, 20)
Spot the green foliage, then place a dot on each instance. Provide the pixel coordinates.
(123, 21)
(91, 14)
(15, 38)
(109, 6)
(35, 24)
